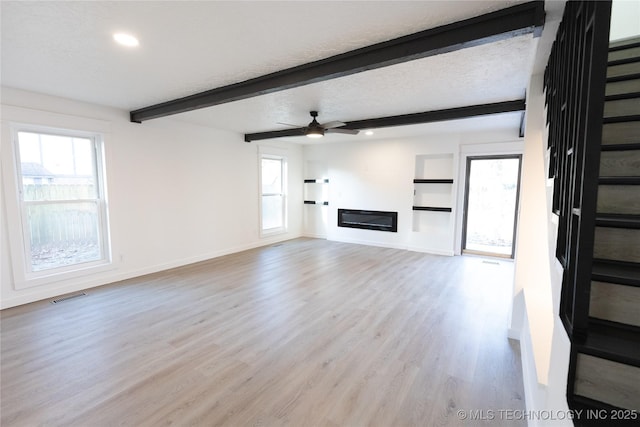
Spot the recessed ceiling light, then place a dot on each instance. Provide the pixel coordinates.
(126, 39)
(369, 133)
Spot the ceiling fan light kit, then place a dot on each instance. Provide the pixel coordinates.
(317, 130)
(315, 133)
(314, 129)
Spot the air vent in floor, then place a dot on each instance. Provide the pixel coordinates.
(67, 298)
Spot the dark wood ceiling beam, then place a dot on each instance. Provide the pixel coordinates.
(248, 137)
(527, 18)
(406, 119)
(523, 119)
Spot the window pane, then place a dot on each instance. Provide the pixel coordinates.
(63, 234)
(57, 167)
(272, 212)
(491, 205)
(271, 176)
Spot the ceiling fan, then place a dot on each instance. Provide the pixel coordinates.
(317, 130)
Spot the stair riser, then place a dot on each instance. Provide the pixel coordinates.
(623, 69)
(622, 107)
(620, 163)
(625, 86)
(617, 303)
(614, 383)
(633, 52)
(621, 244)
(622, 199)
(621, 133)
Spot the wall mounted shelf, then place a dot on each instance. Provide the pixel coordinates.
(433, 181)
(433, 188)
(316, 192)
(431, 208)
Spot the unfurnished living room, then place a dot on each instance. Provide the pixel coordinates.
(320, 213)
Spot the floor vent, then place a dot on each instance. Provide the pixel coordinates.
(491, 262)
(67, 298)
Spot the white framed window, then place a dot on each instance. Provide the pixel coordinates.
(61, 201)
(273, 194)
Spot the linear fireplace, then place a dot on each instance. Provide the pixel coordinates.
(369, 220)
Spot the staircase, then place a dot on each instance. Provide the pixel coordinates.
(606, 362)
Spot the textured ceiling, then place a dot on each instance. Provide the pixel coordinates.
(65, 49)
(483, 74)
(507, 125)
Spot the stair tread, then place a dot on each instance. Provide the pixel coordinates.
(583, 418)
(619, 180)
(621, 88)
(620, 119)
(618, 220)
(620, 96)
(622, 45)
(615, 62)
(621, 147)
(624, 273)
(612, 341)
(623, 77)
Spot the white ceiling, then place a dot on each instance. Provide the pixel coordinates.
(65, 49)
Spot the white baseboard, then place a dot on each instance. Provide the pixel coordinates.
(40, 293)
(314, 236)
(430, 251)
(368, 243)
(529, 377)
(393, 246)
(514, 334)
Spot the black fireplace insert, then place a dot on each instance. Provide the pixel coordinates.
(369, 220)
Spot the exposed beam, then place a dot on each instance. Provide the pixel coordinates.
(518, 20)
(523, 120)
(406, 119)
(439, 115)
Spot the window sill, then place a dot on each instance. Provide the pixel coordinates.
(46, 279)
(272, 232)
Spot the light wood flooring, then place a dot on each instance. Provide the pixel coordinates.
(307, 332)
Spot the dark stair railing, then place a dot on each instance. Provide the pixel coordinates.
(591, 88)
(575, 81)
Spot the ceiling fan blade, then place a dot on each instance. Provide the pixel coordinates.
(288, 124)
(332, 125)
(345, 131)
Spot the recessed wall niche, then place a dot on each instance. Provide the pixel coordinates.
(433, 197)
(316, 198)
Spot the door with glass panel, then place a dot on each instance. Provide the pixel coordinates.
(491, 205)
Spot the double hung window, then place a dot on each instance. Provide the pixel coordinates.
(273, 194)
(61, 200)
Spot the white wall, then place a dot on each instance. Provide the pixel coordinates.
(625, 19)
(378, 175)
(545, 347)
(178, 193)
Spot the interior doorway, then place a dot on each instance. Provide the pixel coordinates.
(491, 205)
